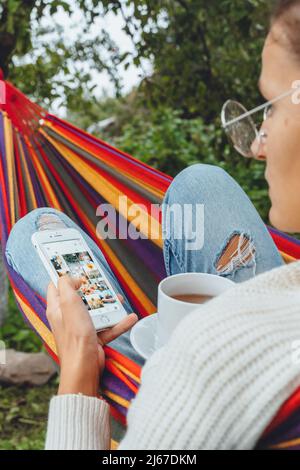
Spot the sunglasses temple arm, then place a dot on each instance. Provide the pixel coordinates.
(258, 108)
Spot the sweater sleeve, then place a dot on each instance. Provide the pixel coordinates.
(78, 422)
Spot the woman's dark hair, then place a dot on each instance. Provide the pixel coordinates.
(287, 12)
(283, 6)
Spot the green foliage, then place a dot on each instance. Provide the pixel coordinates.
(202, 52)
(169, 142)
(46, 64)
(15, 332)
(23, 416)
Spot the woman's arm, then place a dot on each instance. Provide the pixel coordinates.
(78, 418)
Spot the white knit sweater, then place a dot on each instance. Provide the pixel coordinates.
(218, 382)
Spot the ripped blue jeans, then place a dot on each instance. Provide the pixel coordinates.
(236, 242)
(231, 238)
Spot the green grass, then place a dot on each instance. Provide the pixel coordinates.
(16, 333)
(23, 410)
(23, 416)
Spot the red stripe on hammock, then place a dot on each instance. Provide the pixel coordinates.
(289, 406)
(5, 198)
(286, 246)
(124, 190)
(120, 375)
(123, 360)
(138, 171)
(21, 188)
(117, 415)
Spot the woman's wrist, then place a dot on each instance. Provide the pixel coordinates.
(79, 378)
(77, 386)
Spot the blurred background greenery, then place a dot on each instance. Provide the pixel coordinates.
(201, 54)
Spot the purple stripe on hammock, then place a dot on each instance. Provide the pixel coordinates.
(32, 298)
(118, 407)
(3, 225)
(4, 228)
(144, 250)
(40, 197)
(283, 235)
(26, 320)
(104, 147)
(115, 385)
(2, 149)
(286, 431)
(52, 181)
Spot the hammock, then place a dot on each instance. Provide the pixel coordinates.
(46, 161)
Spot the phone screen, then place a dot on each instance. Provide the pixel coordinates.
(69, 257)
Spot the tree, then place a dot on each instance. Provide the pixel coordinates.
(53, 69)
(14, 32)
(202, 52)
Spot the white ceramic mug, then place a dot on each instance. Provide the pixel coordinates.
(171, 311)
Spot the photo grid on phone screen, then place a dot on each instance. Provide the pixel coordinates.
(94, 290)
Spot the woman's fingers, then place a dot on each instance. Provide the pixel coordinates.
(124, 325)
(68, 284)
(67, 289)
(75, 314)
(53, 311)
(52, 296)
(121, 298)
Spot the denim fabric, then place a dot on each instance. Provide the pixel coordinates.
(22, 256)
(227, 211)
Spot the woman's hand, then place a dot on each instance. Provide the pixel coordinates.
(80, 348)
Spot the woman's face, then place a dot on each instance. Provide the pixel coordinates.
(281, 149)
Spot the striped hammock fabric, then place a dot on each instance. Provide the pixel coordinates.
(46, 161)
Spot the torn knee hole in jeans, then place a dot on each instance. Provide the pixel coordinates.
(49, 221)
(238, 252)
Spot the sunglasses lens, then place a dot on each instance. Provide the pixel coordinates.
(242, 133)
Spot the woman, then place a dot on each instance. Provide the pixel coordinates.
(224, 374)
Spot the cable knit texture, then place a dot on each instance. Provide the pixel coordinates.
(78, 422)
(219, 381)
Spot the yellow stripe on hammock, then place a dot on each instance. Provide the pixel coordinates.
(114, 444)
(29, 184)
(126, 371)
(148, 226)
(156, 192)
(286, 444)
(53, 201)
(287, 258)
(123, 273)
(9, 151)
(116, 398)
(38, 325)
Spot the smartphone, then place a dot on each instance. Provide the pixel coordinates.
(66, 252)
